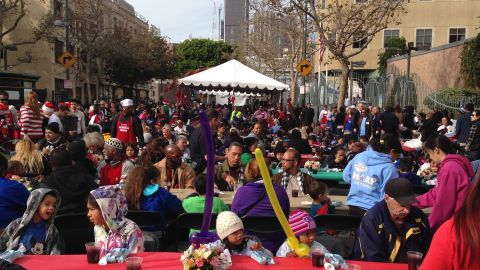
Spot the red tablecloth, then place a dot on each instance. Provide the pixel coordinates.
(167, 261)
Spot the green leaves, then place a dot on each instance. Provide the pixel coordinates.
(198, 53)
(470, 65)
(395, 46)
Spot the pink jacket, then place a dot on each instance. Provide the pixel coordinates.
(453, 184)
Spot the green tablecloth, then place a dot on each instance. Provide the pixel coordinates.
(322, 176)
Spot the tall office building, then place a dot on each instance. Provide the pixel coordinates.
(236, 14)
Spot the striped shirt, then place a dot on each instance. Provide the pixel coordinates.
(30, 124)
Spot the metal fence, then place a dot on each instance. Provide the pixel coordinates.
(394, 89)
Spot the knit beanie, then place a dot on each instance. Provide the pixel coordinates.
(114, 143)
(301, 222)
(227, 223)
(54, 127)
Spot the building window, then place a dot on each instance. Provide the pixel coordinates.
(456, 34)
(359, 41)
(58, 49)
(57, 10)
(424, 38)
(389, 34)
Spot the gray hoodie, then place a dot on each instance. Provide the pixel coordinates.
(10, 238)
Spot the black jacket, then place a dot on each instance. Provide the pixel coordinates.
(74, 187)
(379, 240)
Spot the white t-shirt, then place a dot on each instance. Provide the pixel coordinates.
(54, 118)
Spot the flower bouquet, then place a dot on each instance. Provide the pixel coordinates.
(206, 256)
(428, 172)
(313, 166)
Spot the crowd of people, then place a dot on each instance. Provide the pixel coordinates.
(107, 158)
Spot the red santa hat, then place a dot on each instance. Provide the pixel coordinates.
(48, 107)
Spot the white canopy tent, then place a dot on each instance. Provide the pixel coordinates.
(222, 97)
(233, 76)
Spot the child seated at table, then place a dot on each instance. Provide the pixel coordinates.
(322, 204)
(116, 235)
(230, 231)
(196, 204)
(304, 228)
(337, 161)
(34, 232)
(405, 170)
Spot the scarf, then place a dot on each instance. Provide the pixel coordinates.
(240, 178)
(286, 178)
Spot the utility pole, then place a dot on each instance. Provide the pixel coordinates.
(67, 40)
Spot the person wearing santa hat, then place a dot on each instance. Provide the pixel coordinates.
(48, 109)
(126, 126)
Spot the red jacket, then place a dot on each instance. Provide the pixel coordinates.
(443, 252)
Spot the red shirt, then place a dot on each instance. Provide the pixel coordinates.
(110, 175)
(443, 252)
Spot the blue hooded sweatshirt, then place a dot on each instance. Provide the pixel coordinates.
(367, 174)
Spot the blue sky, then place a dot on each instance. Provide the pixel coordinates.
(178, 19)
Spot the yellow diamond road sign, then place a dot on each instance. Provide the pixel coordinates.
(304, 67)
(67, 60)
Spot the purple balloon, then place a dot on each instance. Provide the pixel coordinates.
(205, 236)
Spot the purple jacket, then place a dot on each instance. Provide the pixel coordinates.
(252, 200)
(453, 184)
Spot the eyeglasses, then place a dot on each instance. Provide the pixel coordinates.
(287, 160)
(4, 99)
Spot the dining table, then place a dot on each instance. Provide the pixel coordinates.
(171, 261)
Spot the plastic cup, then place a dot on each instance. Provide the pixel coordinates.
(414, 259)
(294, 193)
(318, 257)
(93, 252)
(134, 263)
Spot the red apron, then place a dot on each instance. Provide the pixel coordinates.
(125, 132)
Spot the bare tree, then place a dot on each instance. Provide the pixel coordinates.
(340, 23)
(88, 32)
(12, 12)
(275, 38)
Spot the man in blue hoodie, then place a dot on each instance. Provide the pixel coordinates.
(368, 173)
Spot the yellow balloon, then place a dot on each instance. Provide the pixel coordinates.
(301, 250)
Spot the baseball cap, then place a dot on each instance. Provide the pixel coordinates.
(401, 190)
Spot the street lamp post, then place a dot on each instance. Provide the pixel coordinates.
(410, 48)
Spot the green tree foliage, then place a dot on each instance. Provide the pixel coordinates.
(395, 47)
(132, 60)
(470, 65)
(198, 53)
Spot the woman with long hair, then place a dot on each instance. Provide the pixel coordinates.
(143, 193)
(31, 158)
(453, 181)
(456, 244)
(252, 200)
(153, 153)
(30, 120)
